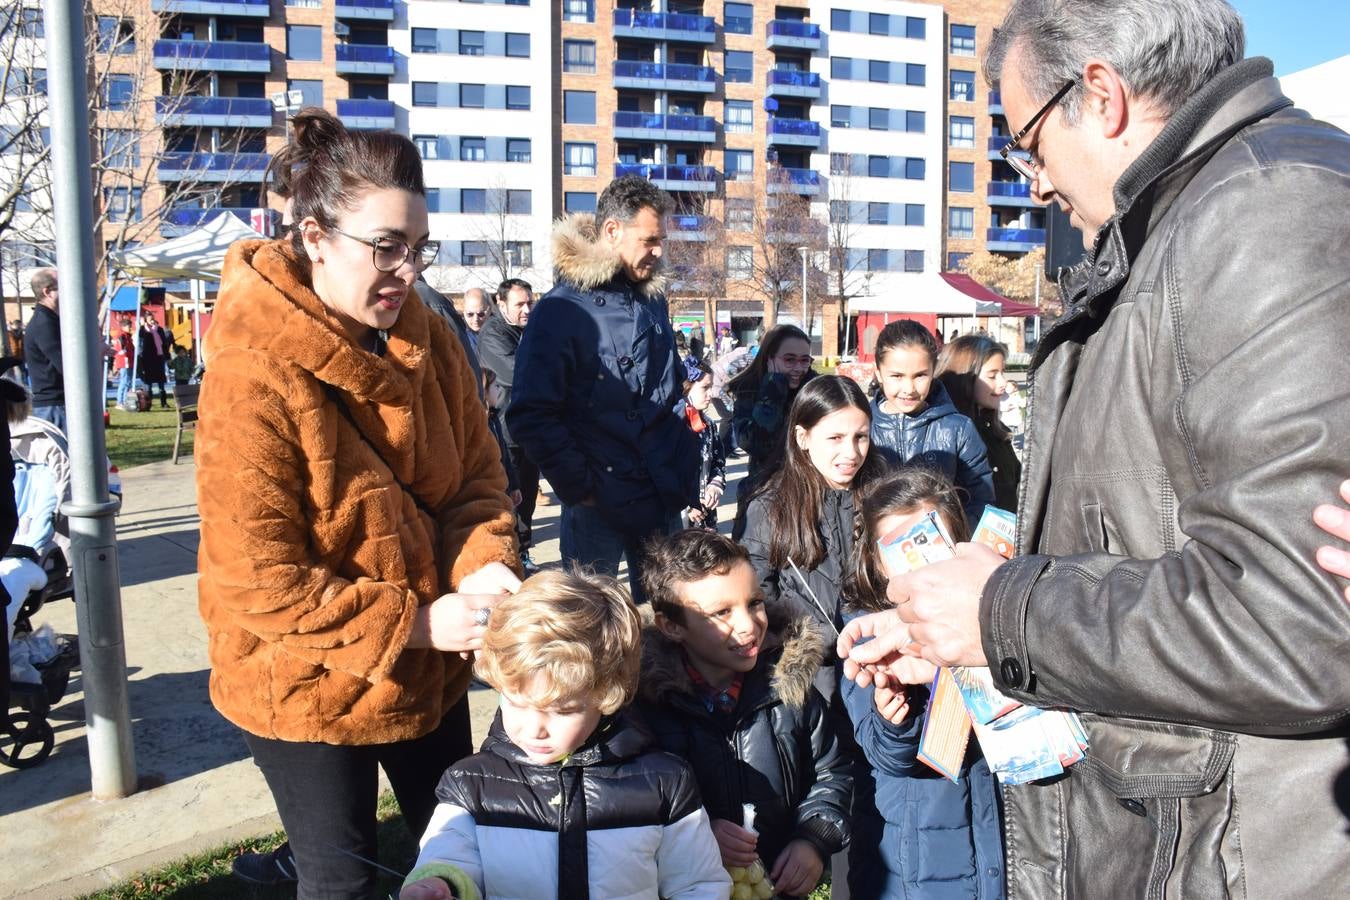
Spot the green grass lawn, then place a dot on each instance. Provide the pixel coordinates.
(137, 438)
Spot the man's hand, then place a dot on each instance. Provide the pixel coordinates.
(493, 578)
(877, 643)
(797, 870)
(712, 495)
(1335, 521)
(941, 605)
(427, 889)
(737, 844)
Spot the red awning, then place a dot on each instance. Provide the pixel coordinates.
(972, 288)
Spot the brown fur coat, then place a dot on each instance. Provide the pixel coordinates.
(313, 559)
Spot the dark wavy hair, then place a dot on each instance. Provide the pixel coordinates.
(326, 168)
(796, 489)
(686, 556)
(897, 493)
(768, 349)
(958, 369)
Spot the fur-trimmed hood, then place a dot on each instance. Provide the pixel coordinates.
(581, 258)
(794, 647)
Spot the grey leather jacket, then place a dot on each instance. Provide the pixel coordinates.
(1188, 411)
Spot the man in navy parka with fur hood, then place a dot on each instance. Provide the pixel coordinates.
(597, 381)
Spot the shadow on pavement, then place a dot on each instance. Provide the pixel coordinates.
(150, 557)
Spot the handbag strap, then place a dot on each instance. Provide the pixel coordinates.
(341, 405)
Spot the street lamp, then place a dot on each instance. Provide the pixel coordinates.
(806, 323)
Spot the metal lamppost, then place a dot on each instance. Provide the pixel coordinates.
(806, 323)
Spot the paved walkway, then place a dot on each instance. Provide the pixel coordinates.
(199, 787)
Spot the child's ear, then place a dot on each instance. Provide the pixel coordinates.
(671, 630)
(800, 434)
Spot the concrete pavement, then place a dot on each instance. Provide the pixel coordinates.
(198, 786)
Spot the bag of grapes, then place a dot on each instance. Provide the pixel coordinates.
(751, 882)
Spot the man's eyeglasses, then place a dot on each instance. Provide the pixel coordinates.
(481, 314)
(1028, 169)
(387, 254)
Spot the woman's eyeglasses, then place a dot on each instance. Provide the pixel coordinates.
(387, 254)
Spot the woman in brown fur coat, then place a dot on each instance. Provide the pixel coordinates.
(355, 529)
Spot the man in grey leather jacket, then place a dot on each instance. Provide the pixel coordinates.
(1188, 409)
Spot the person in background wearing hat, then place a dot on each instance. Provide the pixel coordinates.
(712, 471)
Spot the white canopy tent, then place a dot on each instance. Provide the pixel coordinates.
(926, 293)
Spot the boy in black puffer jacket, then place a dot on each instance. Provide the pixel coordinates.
(731, 693)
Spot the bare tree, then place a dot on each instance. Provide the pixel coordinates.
(502, 232)
(848, 274)
(782, 226)
(696, 257)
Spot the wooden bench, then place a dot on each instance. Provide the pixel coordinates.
(185, 397)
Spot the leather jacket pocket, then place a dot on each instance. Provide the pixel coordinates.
(1148, 809)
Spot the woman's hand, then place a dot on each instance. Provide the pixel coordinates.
(712, 495)
(494, 578)
(449, 623)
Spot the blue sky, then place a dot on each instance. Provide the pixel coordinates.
(1296, 34)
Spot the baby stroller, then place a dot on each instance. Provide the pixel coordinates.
(35, 571)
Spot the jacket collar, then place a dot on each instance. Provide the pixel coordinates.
(616, 738)
(582, 259)
(799, 649)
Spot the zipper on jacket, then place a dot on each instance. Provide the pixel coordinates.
(573, 865)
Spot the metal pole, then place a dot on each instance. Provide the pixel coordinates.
(806, 324)
(98, 596)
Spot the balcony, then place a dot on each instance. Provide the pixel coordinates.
(178, 222)
(213, 56)
(367, 115)
(792, 83)
(372, 10)
(651, 26)
(793, 133)
(689, 228)
(1010, 193)
(213, 167)
(664, 76)
(793, 181)
(672, 178)
(998, 142)
(213, 112)
(365, 59)
(786, 33)
(995, 103)
(258, 9)
(1014, 240)
(642, 126)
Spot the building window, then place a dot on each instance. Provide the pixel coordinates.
(119, 92)
(914, 258)
(962, 40)
(877, 214)
(961, 131)
(878, 166)
(961, 177)
(579, 57)
(518, 202)
(579, 107)
(840, 20)
(878, 70)
(740, 214)
(841, 68)
(579, 202)
(914, 168)
(841, 116)
(915, 121)
(471, 43)
(121, 149)
(123, 204)
(915, 74)
(878, 119)
(739, 67)
(424, 93)
(878, 23)
(473, 253)
(916, 28)
(878, 261)
(954, 261)
(739, 262)
(518, 150)
(473, 200)
(960, 222)
(30, 22)
(367, 90)
(740, 117)
(473, 149)
(962, 86)
(311, 90)
(471, 96)
(424, 40)
(521, 253)
(578, 159)
(738, 18)
(578, 10)
(517, 44)
(914, 214)
(117, 36)
(304, 42)
(517, 96)
(433, 200)
(740, 165)
(428, 146)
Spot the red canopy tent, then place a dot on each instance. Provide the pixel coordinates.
(969, 286)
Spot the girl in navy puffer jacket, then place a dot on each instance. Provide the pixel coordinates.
(915, 833)
(914, 420)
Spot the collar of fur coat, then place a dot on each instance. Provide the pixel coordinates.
(803, 650)
(266, 304)
(583, 259)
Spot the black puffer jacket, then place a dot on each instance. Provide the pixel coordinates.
(498, 341)
(777, 750)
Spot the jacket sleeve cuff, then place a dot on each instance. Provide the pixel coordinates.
(1003, 615)
(459, 882)
(827, 837)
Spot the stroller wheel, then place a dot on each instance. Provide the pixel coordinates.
(26, 741)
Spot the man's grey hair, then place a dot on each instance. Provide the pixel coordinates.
(628, 195)
(1165, 50)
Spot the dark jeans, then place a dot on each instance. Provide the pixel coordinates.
(163, 392)
(590, 540)
(527, 477)
(326, 797)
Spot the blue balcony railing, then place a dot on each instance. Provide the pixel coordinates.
(253, 8)
(791, 29)
(203, 165)
(666, 173)
(365, 53)
(801, 181)
(645, 71)
(793, 78)
(191, 218)
(688, 224)
(365, 109)
(672, 26)
(796, 127)
(995, 101)
(214, 107)
(1015, 235)
(345, 7)
(1009, 189)
(659, 122)
(228, 55)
